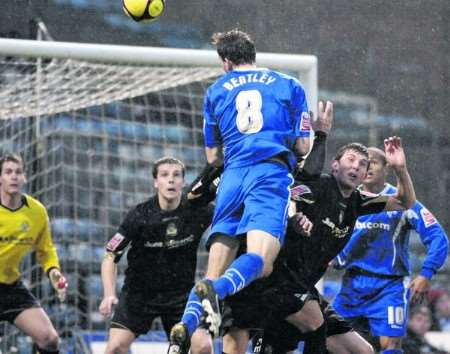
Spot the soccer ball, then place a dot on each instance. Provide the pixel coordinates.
(144, 10)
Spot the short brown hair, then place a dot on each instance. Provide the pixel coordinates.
(236, 46)
(9, 157)
(164, 160)
(380, 153)
(357, 147)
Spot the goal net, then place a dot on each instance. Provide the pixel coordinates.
(89, 120)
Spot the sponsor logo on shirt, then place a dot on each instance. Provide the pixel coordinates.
(336, 231)
(372, 225)
(428, 217)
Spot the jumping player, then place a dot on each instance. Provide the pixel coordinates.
(255, 122)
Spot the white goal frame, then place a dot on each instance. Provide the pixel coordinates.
(304, 66)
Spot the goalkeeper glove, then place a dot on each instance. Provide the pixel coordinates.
(206, 183)
(59, 283)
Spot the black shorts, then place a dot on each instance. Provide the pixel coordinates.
(15, 298)
(258, 307)
(283, 337)
(136, 311)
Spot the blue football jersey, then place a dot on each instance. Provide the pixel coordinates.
(379, 243)
(254, 115)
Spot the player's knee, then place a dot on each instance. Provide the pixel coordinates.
(365, 348)
(117, 347)
(48, 340)
(390, 342)
(312, 324)
(201, 342)
(203, 347)
(267, 269)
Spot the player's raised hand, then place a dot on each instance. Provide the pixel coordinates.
(325, 116)
(59, 283)
(106, 306)
(419, 286)
(395, 155)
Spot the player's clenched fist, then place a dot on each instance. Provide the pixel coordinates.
(59, 283)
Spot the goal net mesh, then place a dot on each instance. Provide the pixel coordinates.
(89, 133)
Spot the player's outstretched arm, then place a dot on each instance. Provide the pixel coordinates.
(396, 159)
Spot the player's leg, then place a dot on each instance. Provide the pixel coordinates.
(235, 341)
(130, 320)
(266, 196)
(341, 337)
(35, 323)
(391, 345)
(348, 343)
(388, 314)
(310, 321)
(119, 341)
(22, 308)
(201, 341)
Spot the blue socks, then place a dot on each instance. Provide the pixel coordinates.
(392, 351)
(192, 312)
(241, 272)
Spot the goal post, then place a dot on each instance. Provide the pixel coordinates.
(302, 66)
(89, 120)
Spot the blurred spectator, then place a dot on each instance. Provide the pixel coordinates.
(440, 307)
(420, 320)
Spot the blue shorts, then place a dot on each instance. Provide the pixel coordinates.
(253, 198)
(382, 301)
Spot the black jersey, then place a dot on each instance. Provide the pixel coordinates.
(306, 259)
(163, 245)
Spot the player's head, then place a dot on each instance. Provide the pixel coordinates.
(420, 319)
(234, 48)
(12, 174)
(168, 177)
(350, 164)
(377, 167)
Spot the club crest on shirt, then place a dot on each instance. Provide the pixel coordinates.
(171, 230)
(25, 226)
(428, 217)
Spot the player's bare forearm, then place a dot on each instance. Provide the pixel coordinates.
(302, 146)
(214, 156)
(109, 274)
(406, 195)
(405, 188)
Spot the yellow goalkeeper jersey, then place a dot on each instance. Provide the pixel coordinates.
(22, 231)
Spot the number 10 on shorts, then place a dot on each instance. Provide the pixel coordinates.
(396, 315)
